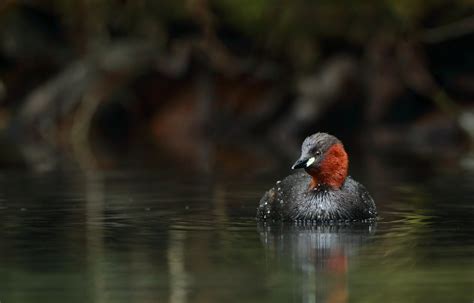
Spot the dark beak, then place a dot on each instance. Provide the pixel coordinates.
(300, 163)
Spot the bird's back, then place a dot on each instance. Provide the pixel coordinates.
(292, 200)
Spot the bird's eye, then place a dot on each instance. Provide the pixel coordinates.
(318, 152)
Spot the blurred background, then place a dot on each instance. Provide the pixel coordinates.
(222, 84)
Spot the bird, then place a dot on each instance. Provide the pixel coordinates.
(322, 192)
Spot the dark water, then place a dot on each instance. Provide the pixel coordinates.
(154, 236)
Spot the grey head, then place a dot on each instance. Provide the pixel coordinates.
(313, 150)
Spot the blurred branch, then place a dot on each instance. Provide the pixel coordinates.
(216, 53)
(446, 103)
(416, 74)
(80, 130)
(449, 31)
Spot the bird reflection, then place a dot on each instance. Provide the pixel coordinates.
(316, 257)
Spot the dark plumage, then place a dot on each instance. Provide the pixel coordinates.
(324, 193)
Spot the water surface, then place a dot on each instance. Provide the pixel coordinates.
(157, 236)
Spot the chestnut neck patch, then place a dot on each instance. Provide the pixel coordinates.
(333, 168)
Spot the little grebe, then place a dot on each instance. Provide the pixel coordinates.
(325, 193)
